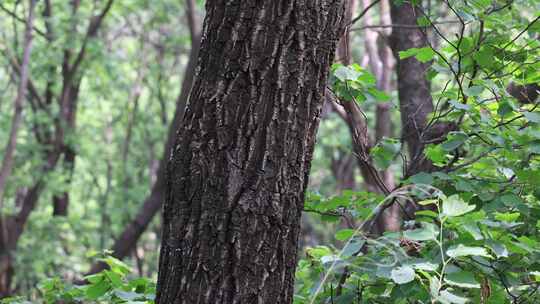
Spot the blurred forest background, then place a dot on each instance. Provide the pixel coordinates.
(92, 92)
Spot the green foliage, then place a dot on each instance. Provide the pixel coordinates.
(108, 286)
(475, 236)
(353, 83)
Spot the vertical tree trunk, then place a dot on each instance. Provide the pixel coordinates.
(9, 152)
(343, 164)
(413, 87)
(6, 245)
(240, 164)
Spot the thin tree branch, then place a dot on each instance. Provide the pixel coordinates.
(8, 160)
(12, 14)
(365, 11)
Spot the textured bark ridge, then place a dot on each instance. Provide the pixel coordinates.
(414, 92)
(239, 168)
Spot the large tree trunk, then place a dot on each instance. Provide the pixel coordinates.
(413, 87)
(240, 164)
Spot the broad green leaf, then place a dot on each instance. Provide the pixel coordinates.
(507, 217)
(427, 266)
(97, 290)
(114, 277)
(473, 230)
(532, 116)
(116, 265)
(353, 248)
(531, 177)
(403, 274)
(422, 178)
(450, 298)
(498, 249)
(484, 57)
(460, 106)
(344, 234)
(425, 54)
(461, 279)
(378, 95)
(436, 153)
(408, 53)
(127, 295)
(462, 250)
(455, 206)
(427, 232)
(454, 141)
(474, 90)
(428, 213)
(344, 73)
(385, 151)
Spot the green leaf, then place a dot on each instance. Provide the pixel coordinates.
(474, 90)
(531, 177)
(127, 295)
(115, 278)
(353, 248)
(408, 53)
(422, 178)
(344, 234)
(507, 217)
(532, 117)
(428, 213)
(473, 230)
(95, 291)
(423, 21)
(378, 95)
(461, 279)
(385, 151)
(426, 266)
(436, 153)
(344, 73)
(450, 298)
(498, 249)
(484, 57)
(425, 54)
(94, 278)
(455, 206)
(403, 274)
(454, 141)
(462, 250)
(427, 232)
(116, 265)
(460, 106)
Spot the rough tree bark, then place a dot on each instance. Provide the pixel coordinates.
(414, 92)
(241, 160)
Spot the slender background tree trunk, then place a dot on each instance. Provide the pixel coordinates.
(242, 156)
(127, 240)
(414, 90)
(6, 245)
